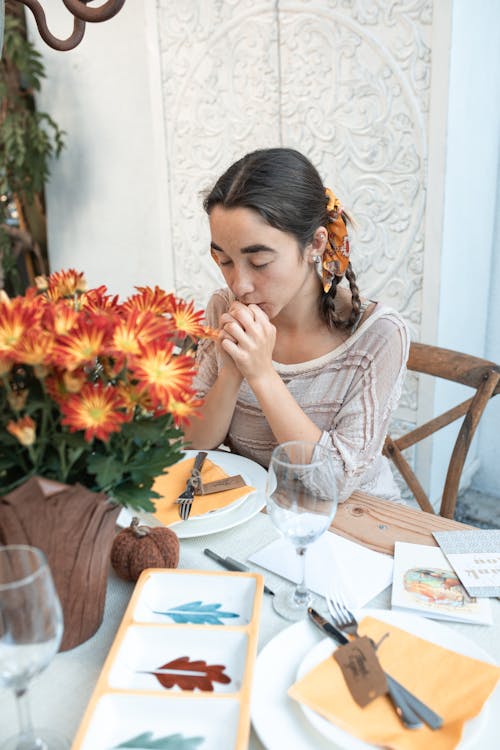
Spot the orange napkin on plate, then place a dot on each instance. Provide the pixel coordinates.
(171, 485)
(455, 686)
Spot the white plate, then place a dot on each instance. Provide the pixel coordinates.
(237, 513)
(280, 721)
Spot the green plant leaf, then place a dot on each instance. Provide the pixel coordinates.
(137, 498)
(151, 463)
(106, 469)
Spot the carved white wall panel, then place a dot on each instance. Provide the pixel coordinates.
(355, 90)
(345, 81)
(221, 96)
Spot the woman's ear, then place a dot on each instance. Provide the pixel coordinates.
(317, 247)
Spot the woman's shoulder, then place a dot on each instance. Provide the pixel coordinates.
(384, 330)
(379, 316)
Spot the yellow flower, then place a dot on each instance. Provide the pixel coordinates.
(162, 374)
(187, 322)
(65, 284)
(98, 409)
(24, 430)
(81, 346)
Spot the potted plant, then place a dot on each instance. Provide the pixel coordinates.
(93, 394)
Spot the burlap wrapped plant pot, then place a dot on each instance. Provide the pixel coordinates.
(75, 528)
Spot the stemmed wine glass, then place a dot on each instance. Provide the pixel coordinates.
(31, 628)
(301, 502)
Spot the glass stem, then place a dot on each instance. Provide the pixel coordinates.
(27, 734)
(301, 594)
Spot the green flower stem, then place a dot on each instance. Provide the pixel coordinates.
(61, 449)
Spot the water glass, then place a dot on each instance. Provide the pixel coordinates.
(301, 503)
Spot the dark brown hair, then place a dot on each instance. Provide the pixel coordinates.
(286, 190)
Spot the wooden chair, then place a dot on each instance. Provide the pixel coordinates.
(480, 374)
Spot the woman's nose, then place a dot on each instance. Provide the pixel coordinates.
(240, 282)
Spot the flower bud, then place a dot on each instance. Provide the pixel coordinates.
(24, 430)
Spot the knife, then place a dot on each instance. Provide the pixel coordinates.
(402, 695)
(231, 564)
(185, 500)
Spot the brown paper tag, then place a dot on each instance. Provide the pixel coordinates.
(229, 483)
(362, 672)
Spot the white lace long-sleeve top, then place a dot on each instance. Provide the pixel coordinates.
(349, 393)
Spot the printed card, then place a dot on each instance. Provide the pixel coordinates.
(425, 583)
(475, 558)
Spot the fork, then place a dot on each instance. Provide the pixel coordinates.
(185, 500)
(409, 708)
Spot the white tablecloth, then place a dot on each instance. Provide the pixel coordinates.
(60, 694)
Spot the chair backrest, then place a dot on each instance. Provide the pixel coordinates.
(481, 375)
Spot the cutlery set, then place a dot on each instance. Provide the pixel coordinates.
(185, 500)
(410, 709)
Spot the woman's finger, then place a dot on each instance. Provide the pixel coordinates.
(243, 314)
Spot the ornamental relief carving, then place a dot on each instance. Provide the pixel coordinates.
(345, 81)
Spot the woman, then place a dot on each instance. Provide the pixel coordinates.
(298, 356)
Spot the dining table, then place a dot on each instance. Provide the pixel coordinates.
(59, 695)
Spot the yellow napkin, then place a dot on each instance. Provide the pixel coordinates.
(170, 486)
(455, 686)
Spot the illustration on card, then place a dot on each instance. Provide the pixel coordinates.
(438, 588)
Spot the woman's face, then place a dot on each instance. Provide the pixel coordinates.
(261, 265)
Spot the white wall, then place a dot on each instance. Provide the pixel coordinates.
(487, 478)
(466, 299)
(106, 199)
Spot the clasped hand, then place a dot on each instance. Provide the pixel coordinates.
(248, 337)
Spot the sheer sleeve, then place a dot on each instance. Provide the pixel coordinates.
(359, 427)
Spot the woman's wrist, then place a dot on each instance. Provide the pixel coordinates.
(263, 381)
(230, 376)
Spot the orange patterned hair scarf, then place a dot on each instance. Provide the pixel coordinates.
(336, 255)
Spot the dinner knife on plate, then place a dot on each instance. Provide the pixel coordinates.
(185, 499)
(402, 695)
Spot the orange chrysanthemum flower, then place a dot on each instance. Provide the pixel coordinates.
(35, 347)
(183, 410)
(136, 329)
(162, 374)
(24, 430)
(97, 300)
(17, 317)
(97, 409)
(133, 398)
(65, 284)
(187, 322)
(86, 341)
(59, 317)
(54, 385)
(155, 301)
